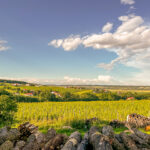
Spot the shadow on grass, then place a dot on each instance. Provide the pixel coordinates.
(8, 123)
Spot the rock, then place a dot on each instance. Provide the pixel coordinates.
(31, 146)
(3, 134)
(76, 135)
(93, 140)
(7, 133)
(50, 134)
(67, 127)
(136, 120)
(15, 148)
(73, 141)
(139, 142)
(8, 145)
(93, 130)
(98, 140)
(4, 130)
(31, 143)
(84, 143)
(31, 138)
(40, 137)
(13, 134)
(144, 136)
(26, 130)
(117, 136)
(35, 141)
(20, 144)
(128, 142)
(108, 131)
(55, 143)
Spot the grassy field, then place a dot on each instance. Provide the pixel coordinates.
(58, 114)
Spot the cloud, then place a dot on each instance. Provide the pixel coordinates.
(67, 80)
(127, 2)
(100, 80)
(130, 41)
(131, 8)
(70, 43)
(107, 27)
(139, 79)
(2, 45)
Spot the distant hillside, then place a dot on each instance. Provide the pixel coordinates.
(109, 87)
(12, 81)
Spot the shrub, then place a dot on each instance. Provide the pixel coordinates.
(20, 98)
(8, 107)
(78, 124)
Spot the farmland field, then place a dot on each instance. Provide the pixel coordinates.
(58, 106)
(58, 114)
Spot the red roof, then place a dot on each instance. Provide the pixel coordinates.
(29, 94)
(130, 98)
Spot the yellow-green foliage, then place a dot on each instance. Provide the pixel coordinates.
(57, 114)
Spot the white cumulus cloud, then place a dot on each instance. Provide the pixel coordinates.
(127, 2)
(70, 43)
(107, 27)
(130, 41)
(100, 80)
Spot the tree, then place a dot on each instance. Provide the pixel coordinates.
(88, 97)
(8, 107)
(47, 96)
(4, 92)
(68, 96)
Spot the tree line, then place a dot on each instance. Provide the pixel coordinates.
(48, 95)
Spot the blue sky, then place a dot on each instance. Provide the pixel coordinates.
(30, 30)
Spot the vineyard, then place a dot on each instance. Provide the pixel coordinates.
(59, 106)
(58, 114)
